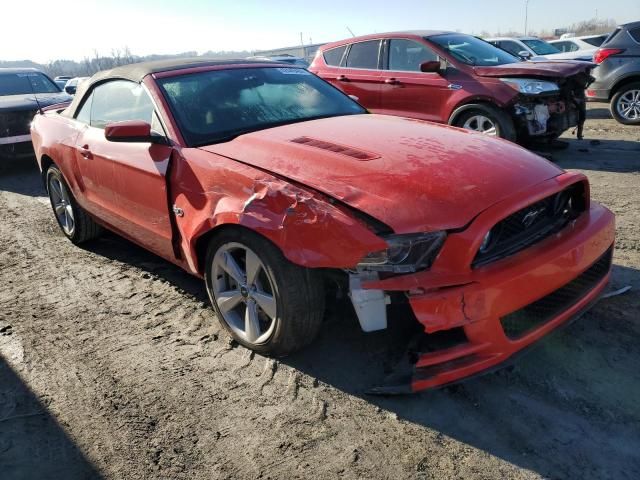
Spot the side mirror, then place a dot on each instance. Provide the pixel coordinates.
(131, 131)
(432, 66)
(525, 55)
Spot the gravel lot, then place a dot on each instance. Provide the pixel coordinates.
(112, 365)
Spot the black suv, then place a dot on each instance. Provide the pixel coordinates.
(22, 92)
(617, 77)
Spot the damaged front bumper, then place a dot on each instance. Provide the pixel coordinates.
(502, 307)
(548, 117)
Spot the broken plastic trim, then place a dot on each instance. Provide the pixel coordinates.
(405, 254)
(370, 305)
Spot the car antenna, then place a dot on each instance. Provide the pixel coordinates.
(352, 34)
(40, 111)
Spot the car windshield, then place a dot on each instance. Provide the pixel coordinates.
(595, 41)
(25, 83)
(218, 105)
(540, 47)
(472, 50)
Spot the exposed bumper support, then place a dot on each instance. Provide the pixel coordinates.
(369, 304)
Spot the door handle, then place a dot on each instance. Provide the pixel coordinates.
(85, 152)
(391, 81)
(342, 78)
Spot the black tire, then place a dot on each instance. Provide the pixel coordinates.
(615, 100)
(503, 122)
(85, 228)
(298, 292)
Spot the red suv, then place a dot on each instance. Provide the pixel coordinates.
(458, 79)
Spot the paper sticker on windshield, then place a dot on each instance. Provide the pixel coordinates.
(293, 71)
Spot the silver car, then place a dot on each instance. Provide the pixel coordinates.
(617, 76)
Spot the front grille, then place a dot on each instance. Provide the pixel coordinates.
(16, 150)
(536, 314)
(15, 123)
(532, 224)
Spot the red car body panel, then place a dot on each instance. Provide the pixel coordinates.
(315, 205)
(414, 173)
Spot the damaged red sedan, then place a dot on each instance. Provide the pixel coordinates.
(272, 185)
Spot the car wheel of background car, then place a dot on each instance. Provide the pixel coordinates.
(265, 302)
(487, 120)
(75, 223)
(625, 104)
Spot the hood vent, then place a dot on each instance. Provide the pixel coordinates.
(335, 148)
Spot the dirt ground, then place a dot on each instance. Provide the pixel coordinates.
(112, 366)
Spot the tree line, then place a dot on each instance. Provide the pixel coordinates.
(119, 56)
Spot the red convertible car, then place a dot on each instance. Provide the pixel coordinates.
(273, 185)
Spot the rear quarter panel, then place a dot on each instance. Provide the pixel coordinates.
(54, 136)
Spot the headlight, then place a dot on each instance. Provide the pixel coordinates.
(405, 253)
(531, 86)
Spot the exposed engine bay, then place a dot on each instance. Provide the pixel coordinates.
(549, 115)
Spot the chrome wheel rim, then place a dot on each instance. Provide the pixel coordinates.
(61, 203)
(629, 105)
(481, 124)
(244, 293)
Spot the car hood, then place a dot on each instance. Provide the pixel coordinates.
(412, 175)
(28, 102)
(544, 68)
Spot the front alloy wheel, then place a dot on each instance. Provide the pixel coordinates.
(625, 105)
(481, 124)
(244, 292)
(265, 302)
(486, 119)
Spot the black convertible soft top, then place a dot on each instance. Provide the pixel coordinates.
(135, 72)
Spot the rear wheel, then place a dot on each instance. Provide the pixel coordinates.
(74, 222)
(625, 104)
(265, 302)
(488, 120)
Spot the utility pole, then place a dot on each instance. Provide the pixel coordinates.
(526, 14)
(301, 41)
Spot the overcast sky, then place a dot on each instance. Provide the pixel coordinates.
(42, 30)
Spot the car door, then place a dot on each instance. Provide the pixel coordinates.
(405, 89)
(360, 75)
(126, 181)
(95, 196)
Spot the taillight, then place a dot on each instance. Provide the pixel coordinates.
(603, 53)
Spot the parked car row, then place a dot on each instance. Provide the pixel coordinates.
(533, 48)
(484, 85)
